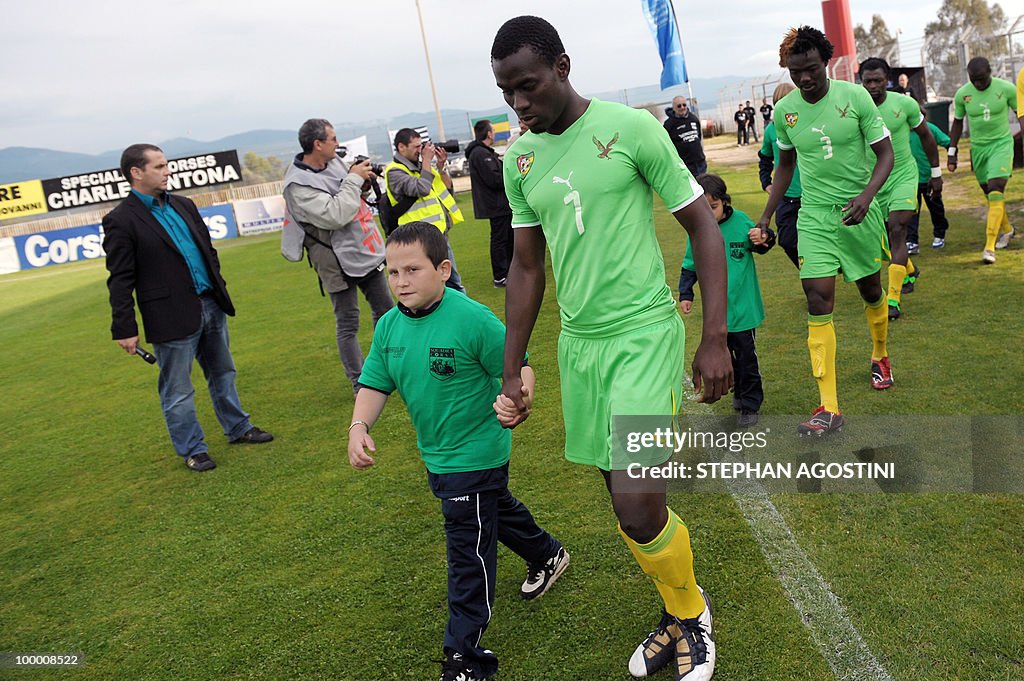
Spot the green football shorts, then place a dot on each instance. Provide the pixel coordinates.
(992, 160)
(826, 245)
(899, 191)
(637, 373)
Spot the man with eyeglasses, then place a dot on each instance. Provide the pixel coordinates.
(683, 128)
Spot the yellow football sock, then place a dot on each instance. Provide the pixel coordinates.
(878, 324)
(896, 275)
(821, 341)
(1005, 225)
(996, 214)
(668, 560)
(911, 267)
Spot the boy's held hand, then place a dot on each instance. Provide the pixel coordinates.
(513, 399)
(358, 443)
(758, 236)
(686, 306)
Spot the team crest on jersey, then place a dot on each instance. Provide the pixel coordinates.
(737, 250)
(605, 149)
(897, 113)
(524, 163)
(842, 112)
(791, 119)
(442, 363)
(967, 99)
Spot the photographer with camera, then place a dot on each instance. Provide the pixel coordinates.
(328, 201)
(410, 176)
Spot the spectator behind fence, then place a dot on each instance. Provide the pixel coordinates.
(742, 129)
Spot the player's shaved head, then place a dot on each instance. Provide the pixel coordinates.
(978, 66)
(526, 31)
(979, 72)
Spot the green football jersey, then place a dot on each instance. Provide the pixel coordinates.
(986, 110)
(830, 138)
(746, 309)
(924, 166)
(769, 145)
(447, 366)
(901, 114)
(589, 189)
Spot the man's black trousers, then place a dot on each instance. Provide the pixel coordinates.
(502, 242)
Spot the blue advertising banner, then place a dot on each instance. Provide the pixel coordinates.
(86, 243)
(220, 220)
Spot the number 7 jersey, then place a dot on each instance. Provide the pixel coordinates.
(832, 138)
(589, 189)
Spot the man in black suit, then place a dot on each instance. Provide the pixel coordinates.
(159, 249)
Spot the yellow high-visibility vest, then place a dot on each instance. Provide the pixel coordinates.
(429, 208)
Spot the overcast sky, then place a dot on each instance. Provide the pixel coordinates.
(99, 75)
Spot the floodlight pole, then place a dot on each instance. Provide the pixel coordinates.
(430, 75)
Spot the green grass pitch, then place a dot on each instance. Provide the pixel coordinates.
(285, 563)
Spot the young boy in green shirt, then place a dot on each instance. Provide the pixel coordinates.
(444, 353)
(746, 310)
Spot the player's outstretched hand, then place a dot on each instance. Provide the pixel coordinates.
(515, 400)
(712, 372)
(856, 209)
(358, 443)
(935, 186)
(951, 163)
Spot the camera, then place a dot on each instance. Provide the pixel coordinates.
(451, 146)
(377, 168)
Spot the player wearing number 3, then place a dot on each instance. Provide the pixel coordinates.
(826, 127)
(580, 181)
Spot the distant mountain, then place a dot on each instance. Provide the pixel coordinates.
(25, 163)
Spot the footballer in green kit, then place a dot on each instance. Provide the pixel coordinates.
(580, 181)
(828, 128)
(987, 103)
(898, 196)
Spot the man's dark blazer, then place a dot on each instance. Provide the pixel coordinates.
(142, 258)
(489, 200)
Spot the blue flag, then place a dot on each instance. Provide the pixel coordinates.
(661, 19)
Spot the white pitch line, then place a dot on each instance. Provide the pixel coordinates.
(820, 610)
